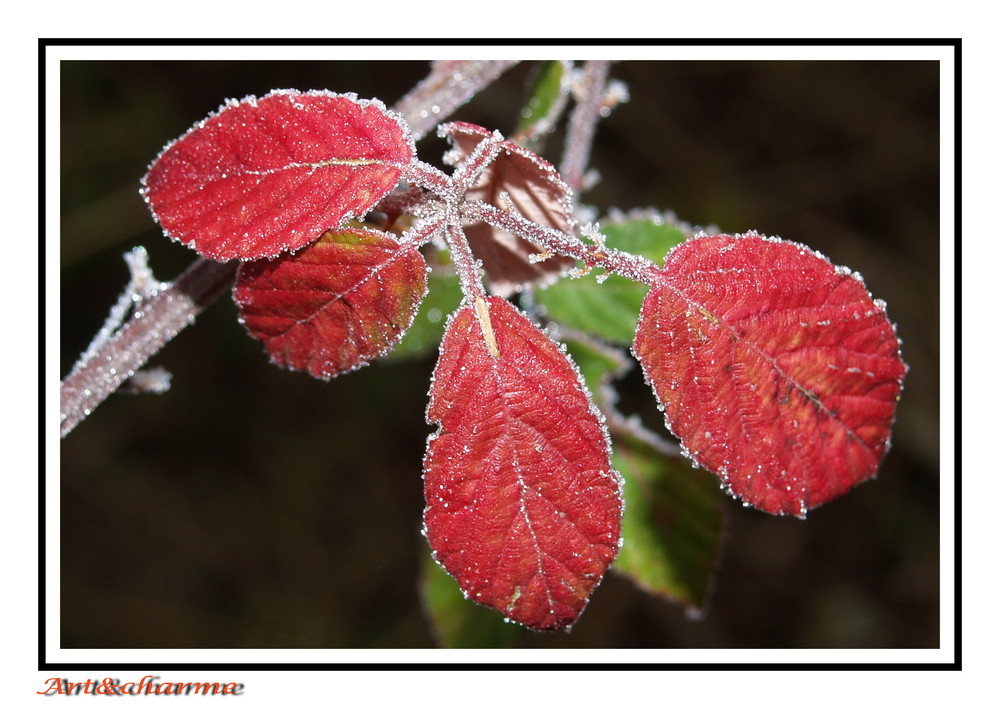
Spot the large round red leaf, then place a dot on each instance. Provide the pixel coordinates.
(777, 370)
(523, 507)
(334, 305)
(265, 176)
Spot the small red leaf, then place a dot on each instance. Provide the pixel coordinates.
(334, 305)
(535, 190)
(264, 176)
(523, 507)
(777, 370)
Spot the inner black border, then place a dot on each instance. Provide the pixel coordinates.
(956, 664)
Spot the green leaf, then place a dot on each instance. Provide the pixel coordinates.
(457, 622)
(611, 309)
(547, 97)
(672, 525)
(443, 296)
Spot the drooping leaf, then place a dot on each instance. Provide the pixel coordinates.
(536, 191)
(672, 528)
(522, 505)
(610, 307)
(265, 176)
(456, 623)
(777, 370)
(334, 305)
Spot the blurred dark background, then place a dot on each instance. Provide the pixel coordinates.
(254, 507)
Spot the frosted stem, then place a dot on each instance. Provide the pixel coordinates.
(583, 122)
(467, 175)
(430, 178)
(595, 255)
(449, 85)
(422, 232)
(142, 284)
(468, 267)
(155, 322)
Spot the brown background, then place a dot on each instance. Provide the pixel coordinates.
(254, 507)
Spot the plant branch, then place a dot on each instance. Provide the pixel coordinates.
(594, 255)
(449, 85)
(468, 267)
(429, 177)
(155, 322)
(158, 319)
(583, 123)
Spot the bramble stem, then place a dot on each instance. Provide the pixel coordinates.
(430, 178)
(468, 172)
(595, 255)
(583, 123)
(468, 267)
(156, 321)
(422, 232)
(449, 85)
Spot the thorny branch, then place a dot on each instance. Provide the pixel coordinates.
(155, 322)
(596, 255)
(449, 85)
(158, 319)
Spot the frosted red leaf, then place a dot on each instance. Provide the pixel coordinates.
(535, 190)
(265, 176)
(777, 370)
(523, 507)
(334, 305)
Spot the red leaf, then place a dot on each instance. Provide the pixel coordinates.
(264, 176)
(536, 191)
(334, 305)
(523, 508)
(777, 371)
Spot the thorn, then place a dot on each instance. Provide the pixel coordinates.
(154, 380)
(483, 313)
(539, 258)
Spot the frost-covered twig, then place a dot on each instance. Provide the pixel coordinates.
(141, 286)
(449, 85)
(593, 255)
(155, 322)
(583, 123)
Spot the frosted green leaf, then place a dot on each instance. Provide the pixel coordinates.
(611, 309)
(672, 525)
(456, 623)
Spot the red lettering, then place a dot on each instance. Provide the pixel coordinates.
(145, 685)
(55, 685)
